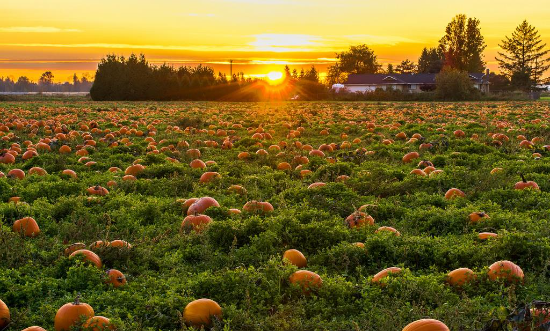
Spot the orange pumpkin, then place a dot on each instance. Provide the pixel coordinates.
(426, 325)
(316, 185)
(487, 235)
(459, 277)
(87, 256)
(134, 169)
(359, 219)
(202, 204)
(4, 315)
(195, 222)
(120, 244)
(116, 278)
(97, 190)
(295, 257)
(16, 174)
(70, 173)
(70, 315)
(476, 216)
(384, 273)
(98, 323)
(307, 280)
(34, 328)
(257, 206)
(454, 193)
(197, 164)
(199, 313)
(209, 176)
(505, 270)
(26, 226)
(523, 184)
(410, 156)
(388, 229)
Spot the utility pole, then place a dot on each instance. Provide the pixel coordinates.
(230, 70)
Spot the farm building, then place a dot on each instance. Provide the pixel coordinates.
(412, 83)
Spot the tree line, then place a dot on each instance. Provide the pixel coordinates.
(522, 61)
(133, 78)
(45, 84)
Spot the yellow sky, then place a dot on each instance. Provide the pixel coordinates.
(68, 36)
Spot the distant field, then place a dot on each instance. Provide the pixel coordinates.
(347, 191)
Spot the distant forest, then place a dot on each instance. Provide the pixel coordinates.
(45, 84)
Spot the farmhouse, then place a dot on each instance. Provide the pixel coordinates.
(411, 83)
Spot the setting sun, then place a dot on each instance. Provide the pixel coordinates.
(275, 76)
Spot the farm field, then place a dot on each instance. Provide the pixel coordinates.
(355, 187)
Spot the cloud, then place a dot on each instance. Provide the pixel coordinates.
(273, 42)
(36, 29)
(380, 40)
(201, 15)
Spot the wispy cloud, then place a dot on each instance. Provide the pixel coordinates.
(201, 14)
(36, 29)
(272, 42)
(380, 40)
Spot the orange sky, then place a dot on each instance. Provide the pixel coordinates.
(260, 35)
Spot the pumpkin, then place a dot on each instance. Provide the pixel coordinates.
(295, 257)
(34, 328)
(187, 203)
(359, 219)
(418, 172)
(257, 206)
(195, 222)
(476, 216)
(487, 235)
(116, 278)
(87, 256)
(70, 173)
(454, 193)
(410, 156)
(98, 323)
(522, 185)
(26, 226)
(201, 205)
(459, 277)
(120, 244)
(16, 174)
(199, 313)
(388, 229)
(70, 315)
(505, 270)
(307, 280)
(538, 317)
(64, 149)
(426, 325)
(284, 166)
(97, 190)
(209, 176)
(238, 189)
(359, 244)
(74, 247)
(4, 315)
(134, 169)
(384, 273)
(316, 185)
(197, 164)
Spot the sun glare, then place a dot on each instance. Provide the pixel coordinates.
(274, 76)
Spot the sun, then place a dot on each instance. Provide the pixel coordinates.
(275, 77)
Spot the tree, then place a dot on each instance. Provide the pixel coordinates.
(357, 60)
(406, 67)
(23, 84)
(523, 57)
(454, 84)
(287, 72)
(311, 75)
(463, 44)
(431, 61)
(390, 70)
(46, 78)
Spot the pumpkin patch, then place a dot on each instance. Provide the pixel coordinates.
(145, 208)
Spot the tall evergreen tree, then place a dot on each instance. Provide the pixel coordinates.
(431, 61)
(524, 57)
(463, 44)
(406, 67)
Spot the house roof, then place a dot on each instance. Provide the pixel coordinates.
(384, 79)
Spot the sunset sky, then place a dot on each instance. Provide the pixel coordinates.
(67, 36)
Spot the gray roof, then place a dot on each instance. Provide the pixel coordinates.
(382, 79)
